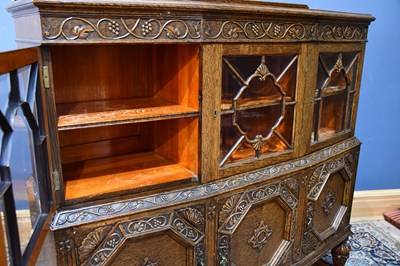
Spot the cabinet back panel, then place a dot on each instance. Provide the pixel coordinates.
(94, 72)
(84, 144)
(88, 73)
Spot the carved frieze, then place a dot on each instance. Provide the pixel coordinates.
(271, 30)
(183, 28)
(114, 29)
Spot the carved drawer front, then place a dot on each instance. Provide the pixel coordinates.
(328, 201)
(171, 238)
(257, 227)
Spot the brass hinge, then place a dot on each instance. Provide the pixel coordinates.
(46, 79)
(56, 181)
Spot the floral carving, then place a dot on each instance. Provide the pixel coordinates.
(228, 207)
(329, 200)
(211, 210)
(148, 262)
(73, 28)
(82, 32)
(91, 241)
(258, 144)
(68, 218)
(193, 216)
(339, 64)
(260, 236)
(262, 71)
(269, 30)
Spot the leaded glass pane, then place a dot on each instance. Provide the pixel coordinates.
(5, 89)
(334, 94)
(25, 185)
(258, 98)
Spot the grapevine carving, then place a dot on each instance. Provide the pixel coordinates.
(141, 28)
(73, 28)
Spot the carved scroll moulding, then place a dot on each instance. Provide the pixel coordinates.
(152, 27)
(83, 28)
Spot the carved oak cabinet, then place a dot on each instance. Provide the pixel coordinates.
(197, 132)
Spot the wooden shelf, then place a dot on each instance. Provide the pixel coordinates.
(121, 173)
(108, 112)
(226, 107)
(333, 90)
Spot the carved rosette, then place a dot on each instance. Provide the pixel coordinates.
(260, 236)
(328, 202)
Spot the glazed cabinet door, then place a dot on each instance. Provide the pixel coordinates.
(329, 189)
(333, 92)
(255, 103)
(257, 226)
(25, 188)
(170, 237)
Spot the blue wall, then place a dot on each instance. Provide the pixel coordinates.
(378, 125)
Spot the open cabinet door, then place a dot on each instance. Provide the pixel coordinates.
(25, 187)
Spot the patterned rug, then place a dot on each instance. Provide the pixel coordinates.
(373, 243)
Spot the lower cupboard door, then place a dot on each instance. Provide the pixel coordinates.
(170, 238)
(329, 196)
(257, 227)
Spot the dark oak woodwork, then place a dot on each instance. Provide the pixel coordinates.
(197, 132)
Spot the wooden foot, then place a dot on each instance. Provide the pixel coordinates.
(341, 253)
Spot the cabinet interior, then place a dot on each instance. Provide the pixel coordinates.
(127, 116)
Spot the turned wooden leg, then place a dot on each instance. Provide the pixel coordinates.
(341, 253)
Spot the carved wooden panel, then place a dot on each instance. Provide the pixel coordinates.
(100, 212)
(328, 200)
(257, 227)
(153, 238)
(151, 27)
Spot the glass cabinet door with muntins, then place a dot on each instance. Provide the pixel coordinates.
(334, 94)
(257, 106)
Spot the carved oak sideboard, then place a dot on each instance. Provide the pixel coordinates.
(197, 132)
